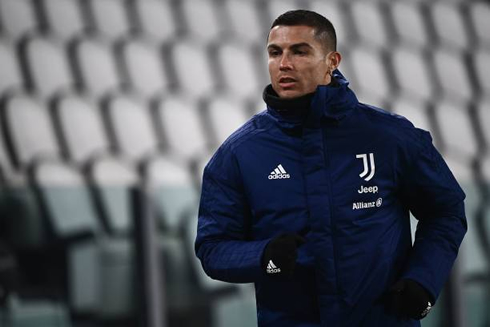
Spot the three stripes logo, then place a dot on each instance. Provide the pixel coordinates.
(368, 168)
(272, 268)
(279, 173)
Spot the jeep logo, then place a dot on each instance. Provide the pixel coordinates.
(370, 189)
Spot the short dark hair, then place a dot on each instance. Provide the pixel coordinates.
(324, 30)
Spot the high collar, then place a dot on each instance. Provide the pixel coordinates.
(329, 102)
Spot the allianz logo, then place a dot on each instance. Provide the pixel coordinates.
(365, 189)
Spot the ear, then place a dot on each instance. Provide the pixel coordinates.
(334, 58)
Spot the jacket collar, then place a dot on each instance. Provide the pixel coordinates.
(330, 102)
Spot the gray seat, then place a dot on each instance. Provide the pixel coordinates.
(449, 25)
(9, 68)
(110, 17)
(409, 22)
(144, 66)
(64, 18)
(47, 66)
(18, 18)
(369, 22)
(82, 131)
(96, 67)
(132, 126)
(156, 19)
(29, 130)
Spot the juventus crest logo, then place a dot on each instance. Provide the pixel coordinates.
(368, 168)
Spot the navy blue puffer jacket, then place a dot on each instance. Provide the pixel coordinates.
(345, 176)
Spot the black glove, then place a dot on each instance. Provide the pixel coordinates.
(407, 299)
(280, 254)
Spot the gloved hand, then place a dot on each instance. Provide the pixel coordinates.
(280, 254)
(408, 299)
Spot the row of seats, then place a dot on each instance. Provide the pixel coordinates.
(211, 20)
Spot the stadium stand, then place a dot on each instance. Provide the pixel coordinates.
(98, 96)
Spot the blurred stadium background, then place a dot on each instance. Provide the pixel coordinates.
(101, 97)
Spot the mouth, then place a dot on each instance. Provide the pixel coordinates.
(287, 82)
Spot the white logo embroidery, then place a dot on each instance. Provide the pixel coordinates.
(272, 269)
(279, 173)
(366, 205)
(366, 168)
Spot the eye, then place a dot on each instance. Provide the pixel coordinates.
(274, 53)
(300, 52)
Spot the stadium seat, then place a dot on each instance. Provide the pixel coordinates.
(66, 199)
(156, 19)
(131, 126)
(201, 20)
(485, 163)
(174, 192)
(182, 126)
(483, 117)
(110, 17)
(452, 74)
(449, 24)
(414, 110)
(193, 69)
(112, 180)
(96, 68)
(10, 68)
(278, 7)
(452, 116)
(145, 70)
(226, 114)
(417, 80)
(29, 130)
(18, 18)
(481, 60)
(336, 14)
(82, 131)
(245, 23)
(409, 23)
(370, 73)
(369, 23)
(47, 66)
(64, 18)
(479, 12)
(238, 66)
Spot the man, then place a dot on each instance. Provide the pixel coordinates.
(310, 199)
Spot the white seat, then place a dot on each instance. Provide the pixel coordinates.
(482, 69)
(452, 74)
(336, 15)
(370, 73)
(449, 25)
(244, 19)
(48, 66)
(64, 18)
(409, 23)
(183, 129)
(82, 130)
(226, 116)
(414, 110)
(279, 7)
(66, 198)
(483, 115)
(369, 23)
(416, 81)
(156, 19)
(237, 64)
(479, 13)
(113, 180)
(193, 69)
(96, 66)
(29, 130)
(110, 17)
(131, 122)
(201, 19)
(456, 129)
(18, 18)
(144, 67)
(9, 68)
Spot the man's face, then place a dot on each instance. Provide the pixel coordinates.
(298, 62)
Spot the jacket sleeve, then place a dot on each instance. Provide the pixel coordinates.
(437, 201)
(223, 244)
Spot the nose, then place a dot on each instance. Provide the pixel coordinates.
(285, 63)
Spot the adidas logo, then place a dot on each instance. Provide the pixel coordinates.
(272, 269)
(279, 173)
